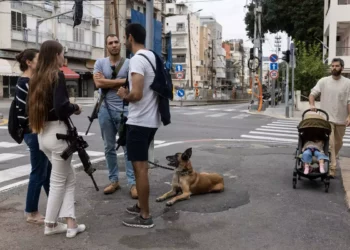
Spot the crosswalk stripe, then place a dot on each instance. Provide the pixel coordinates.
(83, 134)
(286, 121)
(5, 144)
(3, 127)
(282, 125)
(277, 130)
(13, 173)
(269, 138)
(194, 113)
(229, 110)
(241, 116)
(92, 153)
(274, 127)
(7, 156)
(216, 115)
(214, 109)
(275, 134)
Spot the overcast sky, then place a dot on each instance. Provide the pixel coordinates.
(230, 14)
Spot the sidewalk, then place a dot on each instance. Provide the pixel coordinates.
(280, 113)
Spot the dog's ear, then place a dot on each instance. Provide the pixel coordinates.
(187, 154)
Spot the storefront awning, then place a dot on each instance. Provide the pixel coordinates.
(79, 68)
(68, 73)
(9, 68)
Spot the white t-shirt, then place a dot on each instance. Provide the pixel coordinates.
(145, 112)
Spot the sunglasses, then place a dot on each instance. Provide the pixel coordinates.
(114, 72)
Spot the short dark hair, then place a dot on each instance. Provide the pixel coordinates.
(341, 61)
(137, 31)
(27, 54)
(111, 35)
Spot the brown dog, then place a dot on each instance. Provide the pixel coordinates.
(188, 181)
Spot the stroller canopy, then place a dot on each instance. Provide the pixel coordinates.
(315, 121)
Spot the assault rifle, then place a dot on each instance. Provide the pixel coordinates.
(77, 143)
(123, 119)
(96, 109)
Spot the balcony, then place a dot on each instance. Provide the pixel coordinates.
(179, 60)
(76, 49)
(180, 31)
(22, 39)
(343, 51)
(343, 2)
(179, 45)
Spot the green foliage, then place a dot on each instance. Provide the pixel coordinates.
(309, 68)
(302, 20)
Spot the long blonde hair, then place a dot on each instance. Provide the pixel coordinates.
(41, 84)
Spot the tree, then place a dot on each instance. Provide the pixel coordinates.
(302, 20)
(309, 67)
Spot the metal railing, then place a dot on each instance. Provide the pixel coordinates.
(343, 51)
(179, 60)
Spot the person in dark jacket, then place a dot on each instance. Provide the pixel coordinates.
(49, 108)
(40, 164)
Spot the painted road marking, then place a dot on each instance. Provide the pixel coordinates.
(194, 113)
(7, 156)
(5, 144)
(216, 115)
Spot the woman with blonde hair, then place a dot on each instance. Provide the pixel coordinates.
(49, 108)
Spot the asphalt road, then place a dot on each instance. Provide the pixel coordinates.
(259, 209)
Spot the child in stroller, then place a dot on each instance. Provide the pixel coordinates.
(313, 148)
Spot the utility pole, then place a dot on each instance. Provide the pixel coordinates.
(190, 48)
(212, 64)
(287, 82)
(106, 21)
(292, 62)
(116, 18)
(149, 24)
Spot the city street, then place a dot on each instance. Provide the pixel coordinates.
(258, 209)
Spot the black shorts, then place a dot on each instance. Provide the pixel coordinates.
(138, 140)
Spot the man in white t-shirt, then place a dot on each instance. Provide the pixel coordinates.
(335, 100)
(143, 120)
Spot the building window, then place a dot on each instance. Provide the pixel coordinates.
(343, 2)
(18, 21)
(78, 35)
(180, 27)
(171, 10)
(138, 9)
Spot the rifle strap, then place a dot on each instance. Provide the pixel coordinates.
(121, 63)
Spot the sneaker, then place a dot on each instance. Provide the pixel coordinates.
(138, 221)
(60, 228)
(72, 232)
(135, 210)
(133, 192)
(114, 186)
(307, 169)
(322, 171)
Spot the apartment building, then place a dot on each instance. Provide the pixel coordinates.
(205, 48)
(337, 31)
(234, 61)
(218, 67)
(82, 44)
(184, 26)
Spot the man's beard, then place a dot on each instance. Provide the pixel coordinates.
(114, 53)
(336, 72)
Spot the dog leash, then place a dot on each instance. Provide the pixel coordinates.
(159, 166)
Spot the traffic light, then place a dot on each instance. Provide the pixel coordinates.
(251, 54)
(286, 56)
(78, 12)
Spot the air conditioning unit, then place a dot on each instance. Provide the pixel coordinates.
(95, 21)
(56, 4)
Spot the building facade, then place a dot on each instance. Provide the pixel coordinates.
(337, 31)
(184, 26)
(82, 44)
(205, 47)
(218, 66)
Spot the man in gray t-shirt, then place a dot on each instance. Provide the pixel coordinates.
(108, 80)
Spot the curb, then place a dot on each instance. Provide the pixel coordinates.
(344, 165)
(274, 116)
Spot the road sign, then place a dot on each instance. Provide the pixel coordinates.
(274, 74)
(273, 66)
(178, 67)
(274, 58)
(179, 75)
(180, 93)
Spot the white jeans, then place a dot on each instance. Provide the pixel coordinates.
(60, 202)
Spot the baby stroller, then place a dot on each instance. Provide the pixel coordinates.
(313, 127)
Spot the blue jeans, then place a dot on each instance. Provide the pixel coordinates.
(109, 132)
(307, 156)
(39, 175)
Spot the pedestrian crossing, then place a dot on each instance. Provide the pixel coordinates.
(283, 131)
(203, 111)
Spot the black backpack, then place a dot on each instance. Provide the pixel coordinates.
(16, 132)
(163, 86)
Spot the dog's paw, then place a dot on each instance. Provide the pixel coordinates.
(169, 203)
(159, 199)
